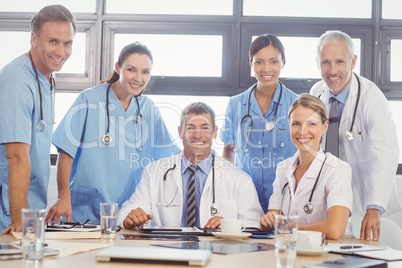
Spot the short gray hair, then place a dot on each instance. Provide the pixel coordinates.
(333, 36)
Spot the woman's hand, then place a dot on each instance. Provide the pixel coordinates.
(268, 221)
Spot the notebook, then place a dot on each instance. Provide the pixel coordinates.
(154, 255)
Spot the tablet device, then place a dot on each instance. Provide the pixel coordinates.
(154, 255)
(221, 246)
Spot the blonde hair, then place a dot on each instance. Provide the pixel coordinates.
(312, 102)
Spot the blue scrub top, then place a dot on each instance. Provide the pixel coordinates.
(19, 113)
(263, 151)
(109, 173)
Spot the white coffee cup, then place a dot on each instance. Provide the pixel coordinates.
(231, 226)
(309, 240)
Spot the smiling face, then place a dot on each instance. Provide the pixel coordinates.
(135, 73)
(267, 65)
(53, 46)
(197, 134)
(336, 66)
(306, 129)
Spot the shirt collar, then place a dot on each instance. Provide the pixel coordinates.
(314, 168)
(204, 165)
(254, 103)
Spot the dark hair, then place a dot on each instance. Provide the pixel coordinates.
(128, 50)
(265, 40)
(51, 13)
(197, 108)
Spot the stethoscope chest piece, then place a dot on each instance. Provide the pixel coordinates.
(269, 126)
(214, 210)
(349, 135)
(107, 139)
(308, 208)
(41, 126)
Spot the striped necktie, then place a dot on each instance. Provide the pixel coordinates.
(332, 140)
(191, 205)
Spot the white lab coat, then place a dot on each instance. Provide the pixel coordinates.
(374, 152)
(333, 187)
(235, 194)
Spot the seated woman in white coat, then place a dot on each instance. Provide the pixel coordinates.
(312, 184)
(195, 187)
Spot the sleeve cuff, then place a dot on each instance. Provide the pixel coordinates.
(379, 208)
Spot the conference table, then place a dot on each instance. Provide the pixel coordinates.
(251, 259)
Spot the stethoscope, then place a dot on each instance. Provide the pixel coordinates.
(349, 134)
(41, 125)
(107, 138)
(268, 126)
(308, 207)
(214, 208)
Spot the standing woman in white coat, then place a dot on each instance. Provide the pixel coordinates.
(312, 184)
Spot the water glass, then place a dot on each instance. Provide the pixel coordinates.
(285, 240)
(108, 213)
(33, 234)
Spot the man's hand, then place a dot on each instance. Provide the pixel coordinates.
(15, 227)
(136, 217)
(371, 222)
(213, 222)
(61, 208)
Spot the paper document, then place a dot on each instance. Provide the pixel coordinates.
(388, 254)
(352, 248)
(70, 248)
(381, 253)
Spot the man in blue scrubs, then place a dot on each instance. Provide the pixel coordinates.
(26, 85)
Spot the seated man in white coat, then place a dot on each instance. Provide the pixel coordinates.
(172, 194)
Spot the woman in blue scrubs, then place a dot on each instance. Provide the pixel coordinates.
(107, 137)
(256, 128)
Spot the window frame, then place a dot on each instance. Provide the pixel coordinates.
(66, 82)
(392, 89)
(214, 86)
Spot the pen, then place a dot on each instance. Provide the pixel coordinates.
(349, 247)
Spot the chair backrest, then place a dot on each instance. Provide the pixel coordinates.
(390, 233)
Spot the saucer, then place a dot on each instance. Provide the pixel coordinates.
(231, 236)
(312, 252)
